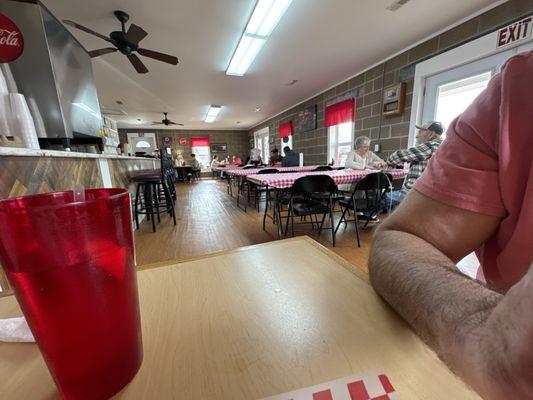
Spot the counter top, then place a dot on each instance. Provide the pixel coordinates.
(21, 152)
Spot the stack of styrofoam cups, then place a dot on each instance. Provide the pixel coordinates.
(5, 109)
(24, 124)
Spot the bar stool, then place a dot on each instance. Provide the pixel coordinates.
(155, 194)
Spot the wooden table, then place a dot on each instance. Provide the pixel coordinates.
(254, 322)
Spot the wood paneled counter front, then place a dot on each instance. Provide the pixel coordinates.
(25, 171)
(254, 322)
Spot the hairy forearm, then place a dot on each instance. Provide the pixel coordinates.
(444, 307)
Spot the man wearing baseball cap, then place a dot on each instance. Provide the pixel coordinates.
(428, 141)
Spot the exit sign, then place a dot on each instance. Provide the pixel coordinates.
(516, 32)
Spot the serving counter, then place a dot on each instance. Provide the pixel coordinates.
(26, 171)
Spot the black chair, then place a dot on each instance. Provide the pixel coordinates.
(323, 168)
(303, 190)
(155, 193)
(259, 190)
(366, 208)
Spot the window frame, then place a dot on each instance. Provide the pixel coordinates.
(334, 149)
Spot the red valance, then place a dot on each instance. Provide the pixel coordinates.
(285, 129)
(341, 112)
(199, 141)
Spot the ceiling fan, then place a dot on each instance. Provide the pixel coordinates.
(127, 42)
(166, 121)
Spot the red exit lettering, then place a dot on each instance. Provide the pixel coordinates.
(518, 31)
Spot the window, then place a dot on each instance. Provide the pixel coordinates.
(339, 121)
(454, 97)
(261, 143)
(201, 148)
(286, 141)
(340, 139)
(449, 93)
(142, 144)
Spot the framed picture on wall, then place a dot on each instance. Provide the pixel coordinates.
(219, 148)
(252, 143)
(306, 120)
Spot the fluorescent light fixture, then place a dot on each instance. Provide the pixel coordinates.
(212, 114)
(264, 19)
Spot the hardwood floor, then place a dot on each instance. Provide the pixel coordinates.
(208, 220)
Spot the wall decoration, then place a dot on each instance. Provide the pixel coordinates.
(252, 143)
(182, 141)
(219, 148)
(167, 141)
(11, 40)
(306, 120)
(394, 99)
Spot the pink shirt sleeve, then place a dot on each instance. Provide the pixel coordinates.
(464, 171)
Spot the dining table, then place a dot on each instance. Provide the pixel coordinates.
(274, 183)
(255, 322)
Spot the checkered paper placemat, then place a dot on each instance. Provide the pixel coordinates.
(253, 171)
(341, 177)
(369, 386)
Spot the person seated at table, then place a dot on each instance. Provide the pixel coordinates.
(291, 158)
(275, 157)
(214, 163)
(429, 139)
(255, 157)
(361, 157)
(195, 164)
(236, 160)
(476, 194)
(180, 161)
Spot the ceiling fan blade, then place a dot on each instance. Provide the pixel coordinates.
(156, 123)
(137, 64)
(83, 28)
(158, 56)
(101, 52)
(175, 123)
(135, 34)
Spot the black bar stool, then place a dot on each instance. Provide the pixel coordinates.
(156, 193)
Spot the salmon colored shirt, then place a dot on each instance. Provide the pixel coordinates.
(485, 166)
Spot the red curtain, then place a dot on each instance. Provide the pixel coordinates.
(199, 141)
(341, 112)
(285, 129)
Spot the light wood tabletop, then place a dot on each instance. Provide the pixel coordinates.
(255, 322)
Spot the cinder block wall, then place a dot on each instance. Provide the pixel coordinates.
(367, 88)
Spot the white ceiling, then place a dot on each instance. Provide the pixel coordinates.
(317, 42)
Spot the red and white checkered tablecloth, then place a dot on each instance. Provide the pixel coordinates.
(342, 177)
(253, 171)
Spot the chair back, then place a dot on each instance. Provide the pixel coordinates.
(374, 181)
(166, 163)
(268, 171)
(310, 184)
(323, 168)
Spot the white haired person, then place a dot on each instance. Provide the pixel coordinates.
(362, 157)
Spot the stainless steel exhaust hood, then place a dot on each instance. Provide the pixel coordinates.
(55, 75)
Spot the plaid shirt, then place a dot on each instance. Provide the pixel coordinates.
(418, 156)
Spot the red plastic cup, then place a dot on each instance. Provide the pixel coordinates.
(71, 266)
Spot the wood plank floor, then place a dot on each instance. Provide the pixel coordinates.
(208, 220)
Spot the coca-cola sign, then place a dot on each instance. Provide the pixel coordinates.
(11, 40)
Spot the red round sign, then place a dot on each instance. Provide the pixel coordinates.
(11, 40)
(183, 141)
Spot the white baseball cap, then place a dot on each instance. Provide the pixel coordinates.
(433, 126)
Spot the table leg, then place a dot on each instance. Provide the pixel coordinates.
(267, 202)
